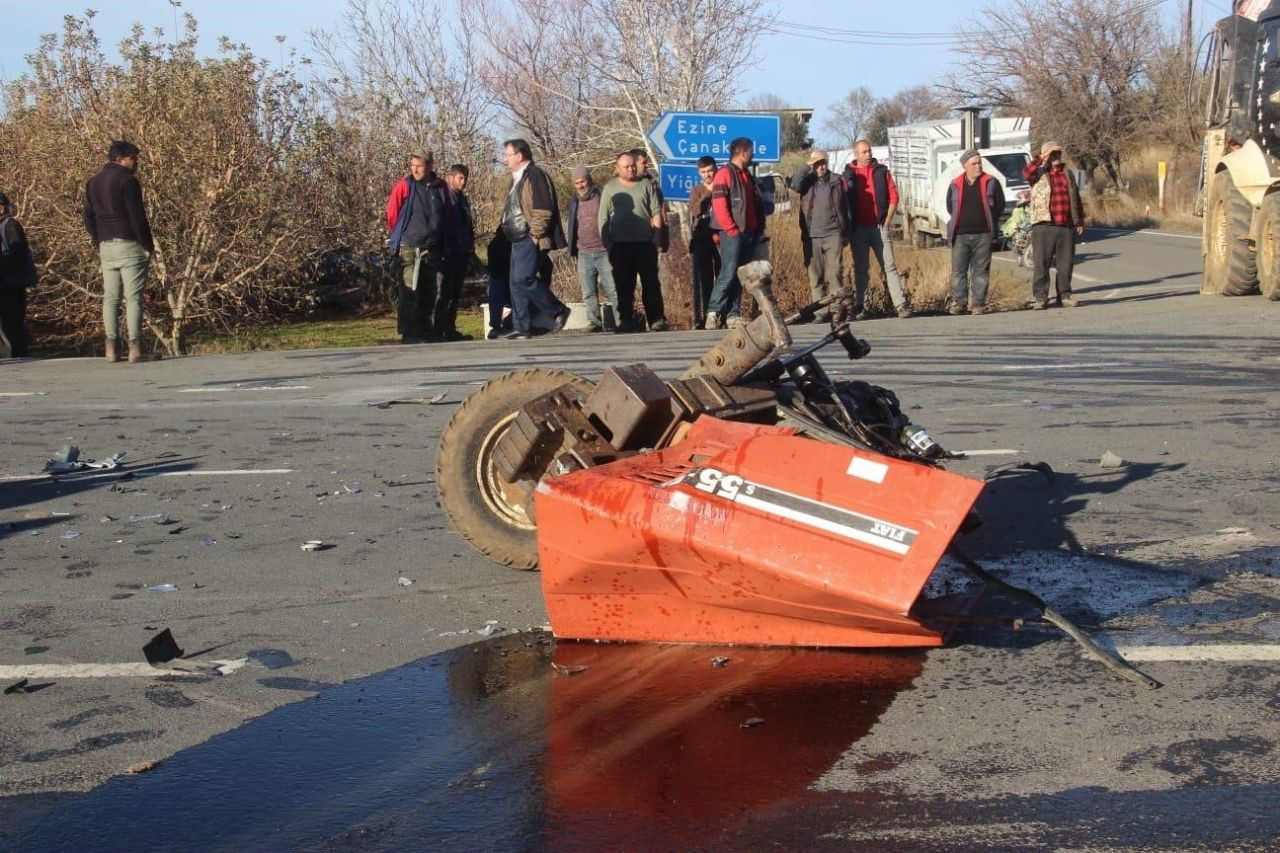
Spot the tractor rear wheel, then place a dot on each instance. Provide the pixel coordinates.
(1269, 247)
(483, 508)
(1230, 266)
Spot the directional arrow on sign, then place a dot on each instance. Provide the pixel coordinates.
(688, 136)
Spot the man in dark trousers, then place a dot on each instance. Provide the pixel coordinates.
(531, 224)
(17, 273)
(823, 226)
(975, 201)
(1057, 218)
(116, 220)
(629, 218)
(459, 247)
(416, 211)
(703, 251)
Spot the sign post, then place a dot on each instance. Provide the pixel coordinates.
(1162, 171)
(688, 136)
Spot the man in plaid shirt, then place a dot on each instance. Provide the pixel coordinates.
(1057, 217)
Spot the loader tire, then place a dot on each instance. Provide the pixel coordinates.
(1230, 266)
(485, 511)
(1269, 247)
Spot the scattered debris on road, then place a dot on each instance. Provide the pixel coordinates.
(404, 581)
(313, 545)
(67, 460)
(752, 722)
(161, 648)
(1110, 460)
(163, 587)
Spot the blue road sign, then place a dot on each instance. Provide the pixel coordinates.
(688, 136)
(677, 180)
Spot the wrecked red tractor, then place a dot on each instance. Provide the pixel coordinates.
(752, 500)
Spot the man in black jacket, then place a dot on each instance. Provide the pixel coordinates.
(17, 273)
(416, 213)
(117, 222)
(459, 248)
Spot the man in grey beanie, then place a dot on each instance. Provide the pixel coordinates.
(586, 247)
(975, 201)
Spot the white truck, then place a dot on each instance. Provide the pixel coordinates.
(925, 159)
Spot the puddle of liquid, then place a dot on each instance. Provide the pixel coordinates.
(490, 747)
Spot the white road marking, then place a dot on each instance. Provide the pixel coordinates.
(1144, 232)
(1070, 364)
(22, 393)
(116, 670)
(118, 472)
(1186, 654)
(219, 389)
(989, 452)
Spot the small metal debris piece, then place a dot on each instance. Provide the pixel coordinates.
(67, 459)
(312, 545)
(752, 722)
(106, 519)
(71, 534)
(719, 661)
(568, 670)
(1110, 460)
(161, 648)
(490, 628)
(404, 581)
(352, 489)
(207, 541)
(144, 766)
(162, 587)
(155, 516)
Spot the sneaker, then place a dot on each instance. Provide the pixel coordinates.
(595, 327)
(1039, 305)
(905, 312)
(735, 322)
(977, 309)
(560, 320)
(493, 335)
(658, 326)
(515, 335)
(713, 321)
(864, 314)
(956, 310)
(1068, 302)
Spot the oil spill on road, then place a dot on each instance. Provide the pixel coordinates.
(490, 747)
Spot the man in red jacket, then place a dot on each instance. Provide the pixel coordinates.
(416, 213)
(872, 199)
(738, 216)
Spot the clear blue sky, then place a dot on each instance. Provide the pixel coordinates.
(805, 71)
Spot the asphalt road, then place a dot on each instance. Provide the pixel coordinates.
(1001, 739)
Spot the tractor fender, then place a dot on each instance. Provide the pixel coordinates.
(1252, 171)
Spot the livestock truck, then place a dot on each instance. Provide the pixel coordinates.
(1239, 172)
(926, 157)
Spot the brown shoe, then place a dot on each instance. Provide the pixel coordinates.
(135, 352)
(956, 310)
(112, 355)
(1068, 302)
(977, 309)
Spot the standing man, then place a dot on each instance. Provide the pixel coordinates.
(17, 273)
(586, 247)
(702, 241)
(629, 218)
(416, 212)
(498, 266)
(530, 222)
(872, 197)
(459, 247)
(662, 235)
(975, 201)
(822, 226)
(1057, 219)
(117, 223)
(738, 215)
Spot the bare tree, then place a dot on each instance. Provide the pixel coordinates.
(795, 128)
(849, 116)
(1075, 66)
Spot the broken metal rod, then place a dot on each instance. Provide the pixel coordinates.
(1113, 662)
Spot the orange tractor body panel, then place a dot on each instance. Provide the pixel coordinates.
(747, 534)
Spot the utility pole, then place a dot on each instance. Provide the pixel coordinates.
(1190, 58)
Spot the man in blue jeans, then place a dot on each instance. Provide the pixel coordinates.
(587, 248)
(530, 222)
(117, 223)
(738, 215)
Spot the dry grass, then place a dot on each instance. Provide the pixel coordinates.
(1137, 205)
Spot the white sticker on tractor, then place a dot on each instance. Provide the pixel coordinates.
(866, 469)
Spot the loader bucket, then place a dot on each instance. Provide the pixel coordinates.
(747, 534)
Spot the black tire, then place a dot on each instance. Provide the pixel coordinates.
(490, 517)
(1230, 266)
(1269, 247)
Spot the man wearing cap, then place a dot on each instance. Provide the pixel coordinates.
(1057, 218)
(117, 223)
(416, 213)
(975, 202)
(586, 247)
(17, 273)
(872, 198)
(822, 225)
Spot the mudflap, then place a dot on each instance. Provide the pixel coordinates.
(747, 534)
